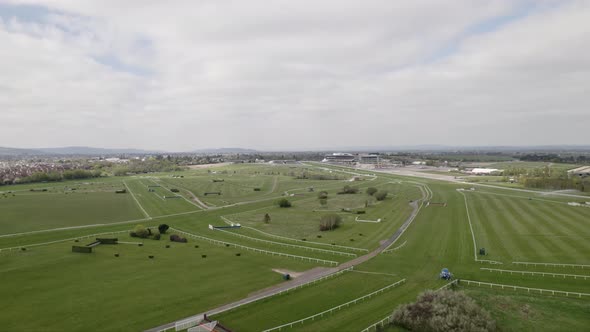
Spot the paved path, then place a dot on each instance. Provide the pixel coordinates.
(306, 277)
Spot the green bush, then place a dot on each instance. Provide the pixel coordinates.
(443, 311)
(348, 190)
(323, 201)
(323, 194)
(156, 236)
(371, 191)
(284, 203)
(330, 222)
(141, 231)
(266, 218)
(381, 195)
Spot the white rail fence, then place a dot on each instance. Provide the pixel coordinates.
(58, 241)
(536, 273)
(528, 289)
(583, 266)
(229, 222)
(325, 312)
(394, 249)
(454, 282)
(287, 244)
(382, 323)
(272, 253)
(189, 322)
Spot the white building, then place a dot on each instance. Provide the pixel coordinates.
(486, 171)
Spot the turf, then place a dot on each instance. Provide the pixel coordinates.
(52, 287)
(30, 212)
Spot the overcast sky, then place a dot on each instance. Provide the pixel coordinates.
(182, 75)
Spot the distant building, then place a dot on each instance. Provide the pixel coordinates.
(373, 159)
(486, 171)
(581, 172)
(339, 158)
(283, 162)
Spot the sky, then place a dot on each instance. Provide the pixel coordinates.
(184, 75)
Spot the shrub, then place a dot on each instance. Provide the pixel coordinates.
(256, 189)
(156, 236)
(443, 311)
(323, 194)
(360, 212)
(371, 191)
(284, 203)
(163, 228)
(132, 234)
(348, 190)
(381, 195)
(330, 222)
(323, 201)
(141, 231)
(266, 218)
(174, 190)
(176, 238)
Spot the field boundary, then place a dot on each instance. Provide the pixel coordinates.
(552, 264)
(473, 234)
(59, 241)
(543, 274)
(528, 289)
(137, 201)
(325, 312)
(268, 252)
(410, 220)
(396, 248)
(173, 193)
(287, 244)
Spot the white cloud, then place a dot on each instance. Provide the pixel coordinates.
(293, 74)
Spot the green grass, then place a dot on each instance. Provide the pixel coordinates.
(324, 295)
(91, 290)
(39, 211)
(519, 229)
(521, 312)
(155, 203)
(50, 287)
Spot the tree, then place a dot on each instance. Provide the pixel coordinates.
(266, 218)
(381, 195)
(445, 310)
(348, 190)
(371, 191)
(284, 203)
(330, 222)
(163, 228)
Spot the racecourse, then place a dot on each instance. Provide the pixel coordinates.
(516, 227)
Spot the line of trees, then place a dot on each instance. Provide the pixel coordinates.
(60, 176)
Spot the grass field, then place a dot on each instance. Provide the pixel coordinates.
(48, 287)
(26, 211)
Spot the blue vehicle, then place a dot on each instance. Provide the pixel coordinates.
(445, 274)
